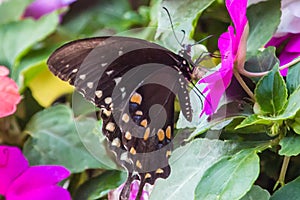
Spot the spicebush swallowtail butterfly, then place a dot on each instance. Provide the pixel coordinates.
(134, 83)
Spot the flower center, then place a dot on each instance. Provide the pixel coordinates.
(2, 197)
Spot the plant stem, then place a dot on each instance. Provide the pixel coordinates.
(243, 84)
(284, 167)
(259, 74)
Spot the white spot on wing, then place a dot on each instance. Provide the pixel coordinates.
(98, 93)
(108, 100)
(117, 80)
(90, 85)
(109, 72)
(82, 76)
(75, 70)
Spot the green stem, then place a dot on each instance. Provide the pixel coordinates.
(284, 167)
(243, 84)
(259, 74)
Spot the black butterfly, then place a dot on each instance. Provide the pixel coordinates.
(134, 83)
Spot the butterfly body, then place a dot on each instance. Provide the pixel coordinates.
(134, 83)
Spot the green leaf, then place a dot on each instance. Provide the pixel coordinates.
(184, 15)
(290, 146)
(293, 78)
(17, 37)
(56, 140)
(291, 108)
(188, 163)
(12, 10)
(30, 66)
(99, 186)
(262, 61)
(252, 120)
(256, 193)
(106, 14)
(271, 92)
(296, 123)
(229, 178)
(264, 19)
(290, 191)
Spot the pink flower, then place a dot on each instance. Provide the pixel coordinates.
(288, 33)
(9, 95)
(232, 45)
(20, 181)
(134, 188)
(41, 7)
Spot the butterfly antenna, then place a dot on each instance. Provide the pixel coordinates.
(183, 31)
(168, 13)
(200, 41)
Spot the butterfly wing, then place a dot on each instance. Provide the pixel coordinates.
(125, 78)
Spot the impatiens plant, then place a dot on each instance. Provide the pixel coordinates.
(243, 139)
(21, 181)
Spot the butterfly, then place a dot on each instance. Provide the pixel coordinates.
(134, 83)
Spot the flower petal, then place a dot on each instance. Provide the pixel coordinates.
(41, 7)
(3, 71)
(12, 164)
(237, 11)
(44, 193)
(9, 96)
(41, 178)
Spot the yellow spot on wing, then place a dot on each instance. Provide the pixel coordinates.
(148, 175)
(147, 133)
(160, 135)
(136, 98)
(168, 132)
(132, 151)
(138, 164)
(159, 171)
(128, 135)
(144, 123)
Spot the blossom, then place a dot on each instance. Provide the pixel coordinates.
(41, 7)
(232, 45)
(288, 33)
(134, 188)
(9, 95)
(20, 181)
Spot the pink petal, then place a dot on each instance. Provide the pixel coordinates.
(35, 179)
(41, 193)
(9, 96)
(216, 86)
(3, 71)
(276, 41)
(12, 164)
(293, 45)
(237, 11)
(41, 7)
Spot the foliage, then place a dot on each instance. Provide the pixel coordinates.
(234, 153)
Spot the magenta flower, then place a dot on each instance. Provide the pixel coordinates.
(20, 181)
(288, 33)
(9, 94)
(134, 188)
(232, 45)
(41, 7)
